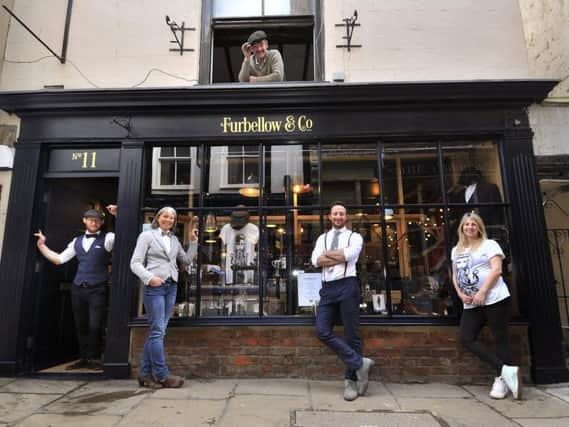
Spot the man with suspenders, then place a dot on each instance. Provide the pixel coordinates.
(337, 252)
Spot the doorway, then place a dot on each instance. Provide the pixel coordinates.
(55, 342)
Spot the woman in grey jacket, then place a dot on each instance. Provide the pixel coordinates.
(155, 262)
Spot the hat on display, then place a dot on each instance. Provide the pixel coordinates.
(93, 213)
(257, 36)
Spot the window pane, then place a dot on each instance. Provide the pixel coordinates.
(251, 167)
(292, 168)
(167, 151)
(235, 170)
(411, 174)
(231, 8)
(418, 267)
(277, 7)
(183, 172)
(230, 285)
(183, 151)
(235, 150)
(167, 171)
(349, 173)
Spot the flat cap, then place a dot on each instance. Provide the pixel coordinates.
(93, 213)
(257, 36)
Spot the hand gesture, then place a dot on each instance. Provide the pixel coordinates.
(112, 209)
(155, 282)
(479, 298)
(41, 238)
(246, 49)
(467, 299)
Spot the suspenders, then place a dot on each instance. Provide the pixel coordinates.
(326, 248)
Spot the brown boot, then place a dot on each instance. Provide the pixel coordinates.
(148, 381)
(172, 381)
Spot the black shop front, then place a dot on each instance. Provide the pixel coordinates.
(395, 153)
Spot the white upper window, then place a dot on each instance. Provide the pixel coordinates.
(232, 8)
(172, 167)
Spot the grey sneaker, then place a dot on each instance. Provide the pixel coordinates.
(363, 375)
(350, 390)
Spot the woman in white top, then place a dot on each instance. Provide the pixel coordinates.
(477, 278)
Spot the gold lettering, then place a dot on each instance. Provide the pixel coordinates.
(85, 154)
(260, 124)
(94, 160)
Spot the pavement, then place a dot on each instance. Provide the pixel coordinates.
(39, 402)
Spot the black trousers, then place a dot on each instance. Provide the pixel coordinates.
(496, 316)
(88, 305)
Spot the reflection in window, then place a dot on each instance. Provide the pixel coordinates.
(232, 8)
(242, 164)
(174, 168)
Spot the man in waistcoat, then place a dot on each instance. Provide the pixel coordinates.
(337, 252)
(92, 249)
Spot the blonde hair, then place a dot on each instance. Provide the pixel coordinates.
(165, 209)
(482, 236)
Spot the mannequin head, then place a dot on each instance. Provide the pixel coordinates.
(239, 217)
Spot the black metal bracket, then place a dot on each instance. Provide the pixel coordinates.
(349, 23)
(125, 123)
(178, 31)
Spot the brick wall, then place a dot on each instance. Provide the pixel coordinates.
(402, 354)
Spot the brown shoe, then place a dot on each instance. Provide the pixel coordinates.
(147, 381)
(173, 381)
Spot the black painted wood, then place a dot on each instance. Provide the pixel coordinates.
(533, 272)
(124, 283)
(18, 257)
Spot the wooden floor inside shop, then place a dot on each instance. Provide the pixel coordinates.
(63, 368)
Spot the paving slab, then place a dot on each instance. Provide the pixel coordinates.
(274, 411)
(112, 397)
(201, 389)
(14, 406)
(43, 420)
(428, 391)
(41, 386)
(276, 387)
(174, 413)
(329, 395)
(458, 412)
(359, 419)
(543, 422)
(535, 403)
(561, 393)
(4, 381)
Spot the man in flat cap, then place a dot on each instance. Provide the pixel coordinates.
(92, 250)
(260, 64)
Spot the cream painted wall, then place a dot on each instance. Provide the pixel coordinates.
(112, 43)
(427, 40)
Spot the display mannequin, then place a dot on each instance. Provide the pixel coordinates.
(239, 238)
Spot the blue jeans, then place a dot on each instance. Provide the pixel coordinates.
(341, 297)
(158, 303)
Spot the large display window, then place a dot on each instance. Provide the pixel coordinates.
(255, 210)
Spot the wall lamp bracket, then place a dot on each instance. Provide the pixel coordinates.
(178, 32)
(350, 24)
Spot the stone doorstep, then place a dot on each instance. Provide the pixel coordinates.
(365, 419)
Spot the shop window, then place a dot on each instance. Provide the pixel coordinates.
(173, 168)
(263, 206)
(290, 27)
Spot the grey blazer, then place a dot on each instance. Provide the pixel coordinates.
(151, 259)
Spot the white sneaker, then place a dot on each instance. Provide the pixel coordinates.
(512, 378)
(499, 389)
(363, 375)
(350, 390)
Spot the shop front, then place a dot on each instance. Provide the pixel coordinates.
(251, 172)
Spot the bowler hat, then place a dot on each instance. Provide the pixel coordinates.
(93, 213)
(257, 36)
(239, 218)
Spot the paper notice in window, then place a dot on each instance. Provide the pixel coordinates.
(309, 285)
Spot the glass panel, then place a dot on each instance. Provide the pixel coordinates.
(349, 173)
(183, 151)
(167, 151)
(183, 172)
(411, 174)
(371, 266)
(167, 172)
(232, 8)
(229, 265)
(277, 7)
(292, 168)
(473, 176)
(418, 267)
(235, 170)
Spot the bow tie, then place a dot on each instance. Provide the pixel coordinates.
(90, 236)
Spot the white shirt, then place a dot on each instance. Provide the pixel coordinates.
(167, 241)
(473, 267)
(69, 252)
(228, 235)
(469, 192)
(351, 253)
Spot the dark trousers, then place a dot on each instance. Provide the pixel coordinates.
(88, 304)
(496, 316)
(341, 298)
